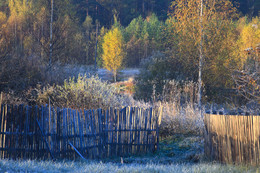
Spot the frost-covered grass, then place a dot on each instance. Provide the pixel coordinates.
(178, 153)
(93, 167)
(180, 111)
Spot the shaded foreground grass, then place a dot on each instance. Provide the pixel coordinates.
(93, 167)
(178, 153)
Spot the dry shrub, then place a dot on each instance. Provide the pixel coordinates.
(126, 87)
(11, 98)
(180, 92)
(83, 92)
(180, 112)
(19, 73)
(178, 119)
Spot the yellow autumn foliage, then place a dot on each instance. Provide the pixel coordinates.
(216, 29)
(113, 53)
(2, 18)
(249, 38)
(19, 9)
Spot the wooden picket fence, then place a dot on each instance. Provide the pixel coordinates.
(45, 132)
(233, 138)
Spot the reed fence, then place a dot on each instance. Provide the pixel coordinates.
(45, 132)
(233, 138)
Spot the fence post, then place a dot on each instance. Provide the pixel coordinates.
(158, 122)
(3, 130)
(1, 114)
(113, 131)
(36, 145)
(101, 135)
(1, 101)
(80, 131)
(106, 114)
(58, 133)
(74, 112)
(44, 139)
(149, 130)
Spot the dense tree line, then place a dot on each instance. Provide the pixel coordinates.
(131, 31)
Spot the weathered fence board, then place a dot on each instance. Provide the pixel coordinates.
(42, 132)
(233, 138)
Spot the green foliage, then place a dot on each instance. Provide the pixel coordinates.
(142, 38)
(154, 72)
(134, 29)
(89, 40)
(160, 80)
(103, 32)
(87, 24)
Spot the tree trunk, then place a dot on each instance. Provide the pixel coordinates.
(15, 36)
(96, 46)
(50, 58)
(251, 8)
(42, 30)
(87, 8)
(143, 8)
(200, 58)
(114, 74)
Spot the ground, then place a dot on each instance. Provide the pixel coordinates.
(176, 149)
(66, 71)
(122, 75)
(98, 167)
(178, 153)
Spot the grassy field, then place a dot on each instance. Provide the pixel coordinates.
(96, 167)
(178, 153)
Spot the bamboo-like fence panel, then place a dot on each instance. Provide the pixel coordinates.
(233, 138)
(44, 132)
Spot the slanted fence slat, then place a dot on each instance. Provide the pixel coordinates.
(42, 132)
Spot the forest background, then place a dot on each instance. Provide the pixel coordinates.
(159, 37)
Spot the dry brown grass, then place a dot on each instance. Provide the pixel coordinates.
(126, 87)
(177, 119)
(180, 112)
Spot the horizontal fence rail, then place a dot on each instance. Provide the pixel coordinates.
(233, 138)
(44, 132)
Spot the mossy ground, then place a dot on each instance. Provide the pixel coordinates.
(174, 149)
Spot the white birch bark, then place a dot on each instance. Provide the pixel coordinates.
(200, 58)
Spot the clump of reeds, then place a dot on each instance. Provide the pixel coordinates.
(180, 112)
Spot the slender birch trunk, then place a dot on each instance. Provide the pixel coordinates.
(201, 57)
(96, 47)
(50, 58)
